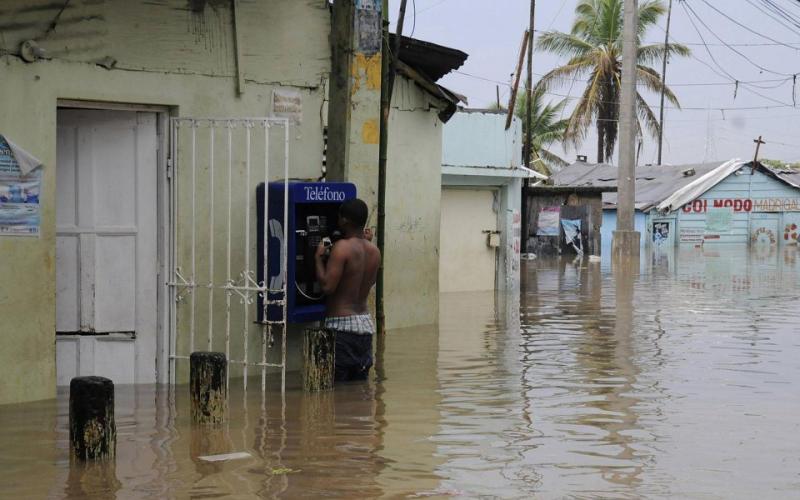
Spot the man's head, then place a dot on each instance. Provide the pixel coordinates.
(353, 215)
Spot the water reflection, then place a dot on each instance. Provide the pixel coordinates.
(674, 377)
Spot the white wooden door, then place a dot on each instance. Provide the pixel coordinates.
(466, 261)
(106, 245)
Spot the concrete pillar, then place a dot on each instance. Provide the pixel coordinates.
(92, 431)
(208, 388)
(319, 359)
(355, 93)
(626, 240)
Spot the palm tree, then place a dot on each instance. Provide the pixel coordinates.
(547, 127)
(594, 48)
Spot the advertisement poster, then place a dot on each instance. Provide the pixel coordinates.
(19, 195)
(660, 232)
(548, 221)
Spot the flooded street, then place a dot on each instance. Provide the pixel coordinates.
(676, 379)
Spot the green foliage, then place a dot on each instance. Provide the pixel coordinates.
(594, 51)
(780, 164)
(547, 127)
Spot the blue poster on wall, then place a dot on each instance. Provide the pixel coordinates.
(20, 189)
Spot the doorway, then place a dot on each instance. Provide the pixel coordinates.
(467, 260)
(107, 258)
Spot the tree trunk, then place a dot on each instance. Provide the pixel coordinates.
(600, 143)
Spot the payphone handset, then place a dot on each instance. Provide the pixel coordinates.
(310, 232)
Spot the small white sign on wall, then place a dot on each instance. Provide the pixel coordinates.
(287, 104)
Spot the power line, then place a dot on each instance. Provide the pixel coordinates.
(791, 45)
(690, 11)
(414, 26)
(733, 80)
(773, 14)
(729, 18)
(684, 84)
(736, 82)
(779, 104)
(781, 12)
(429, 7)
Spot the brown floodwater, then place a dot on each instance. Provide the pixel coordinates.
(677, 378)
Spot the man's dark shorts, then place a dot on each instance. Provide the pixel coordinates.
(353, 356)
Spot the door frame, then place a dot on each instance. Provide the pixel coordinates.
(163, 216)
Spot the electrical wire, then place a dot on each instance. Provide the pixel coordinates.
(429, 7)
(736, 82)
(781, 81)
(773, 13)
(682, 108)
(781, 12)
(729, 18)
(414, 25)
(690, 11)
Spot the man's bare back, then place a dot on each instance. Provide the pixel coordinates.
(348, 276)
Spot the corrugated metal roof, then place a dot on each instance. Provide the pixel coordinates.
(430, 59)
(426, 63)
(654, 184)
(790, 176)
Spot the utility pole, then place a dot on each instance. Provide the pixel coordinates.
(626, 240)
(388, 72)
(528, 87)
(515, 86)
(497, 89)
(663, 84)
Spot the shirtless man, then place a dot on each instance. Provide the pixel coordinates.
(346, 277)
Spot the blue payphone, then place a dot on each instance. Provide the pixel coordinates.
(312, 215)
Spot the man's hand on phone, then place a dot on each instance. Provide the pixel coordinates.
(368, 234)
(321, 249)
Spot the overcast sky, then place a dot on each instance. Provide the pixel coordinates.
(490, 31)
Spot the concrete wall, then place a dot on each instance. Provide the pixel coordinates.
(476, 138)
(166, 54)
(412, 208)
(610, 225)
(466, 262)
(507, 211)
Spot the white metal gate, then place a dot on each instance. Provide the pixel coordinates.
(214, 167)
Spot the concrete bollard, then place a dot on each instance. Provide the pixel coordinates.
(207, 374)
(319, 359)
(92, 432)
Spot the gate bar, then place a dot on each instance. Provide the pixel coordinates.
(248, 128)
(194, 239)
(228, 276)
(211, 240)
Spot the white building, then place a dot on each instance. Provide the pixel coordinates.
(482, 177)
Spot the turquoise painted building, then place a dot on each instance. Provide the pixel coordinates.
(730, 202)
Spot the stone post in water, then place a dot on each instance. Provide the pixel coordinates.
(319, 351)
(207, 383)
(92, 432)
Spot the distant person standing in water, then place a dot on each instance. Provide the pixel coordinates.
(346, 277)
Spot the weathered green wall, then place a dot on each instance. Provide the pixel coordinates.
(413, 201)
(166, 54)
